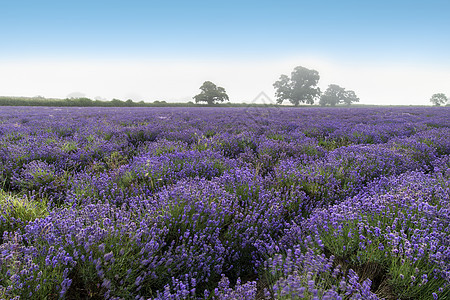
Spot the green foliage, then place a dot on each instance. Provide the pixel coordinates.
(69, 146)
(300, 88)
(15, 212)
(276, 136)
(81, 102)
(211, 94)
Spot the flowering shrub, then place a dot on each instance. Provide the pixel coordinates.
(229, 203)
(405, 230)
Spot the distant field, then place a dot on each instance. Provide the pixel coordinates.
(224, 203)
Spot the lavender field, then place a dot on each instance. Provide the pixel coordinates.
(224, 203)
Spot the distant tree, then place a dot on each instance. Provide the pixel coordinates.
(81, 102)
(335, 94)
(211, 94)
(301, 87)
(84, 101)
(116, 103)
(439, 99)
(350, 97)
(283, 89)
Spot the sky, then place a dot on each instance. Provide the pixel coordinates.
(388, 52)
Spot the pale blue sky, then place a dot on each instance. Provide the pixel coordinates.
(400, 37)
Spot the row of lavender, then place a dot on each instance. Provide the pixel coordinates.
(225, 203)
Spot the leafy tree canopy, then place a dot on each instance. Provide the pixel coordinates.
(336, 94)
(211, 94)
(439, 99)
(301, 87)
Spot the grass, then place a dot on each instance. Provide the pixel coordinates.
(16, 212)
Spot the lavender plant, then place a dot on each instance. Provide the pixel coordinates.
(229, 203)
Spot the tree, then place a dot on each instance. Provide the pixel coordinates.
(335, 94)
(211, 94)
(117, 103)
(300, 88)
(332, 95)
(439, 99)
(350, 97)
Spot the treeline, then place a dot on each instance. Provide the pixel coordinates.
(86, 102)
(82, 102)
